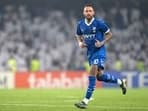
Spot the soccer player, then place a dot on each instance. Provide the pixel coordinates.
(93, 34)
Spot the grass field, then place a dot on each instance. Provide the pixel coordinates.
(63, 100)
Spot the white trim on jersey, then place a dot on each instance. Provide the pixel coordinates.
(90, 21)
(107, 31)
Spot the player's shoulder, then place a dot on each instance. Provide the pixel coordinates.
(81, 21)
(99, 20)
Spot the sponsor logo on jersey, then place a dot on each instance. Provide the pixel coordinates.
(89, 36)
(94, 29)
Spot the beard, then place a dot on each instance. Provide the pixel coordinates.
(88, 17)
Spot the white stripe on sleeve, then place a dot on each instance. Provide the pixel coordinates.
(107, 31)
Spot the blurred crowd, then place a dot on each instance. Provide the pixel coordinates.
(47, 40)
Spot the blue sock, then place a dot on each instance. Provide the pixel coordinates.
(91, 86)
(107, 78)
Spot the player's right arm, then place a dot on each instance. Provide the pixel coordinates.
(80, 41)
(79, 37)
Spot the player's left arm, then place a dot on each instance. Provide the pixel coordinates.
(107, 35)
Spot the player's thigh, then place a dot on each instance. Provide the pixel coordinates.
(100, 72)
(93, 69)
(97, 64)
(99, 61)
(101, 65)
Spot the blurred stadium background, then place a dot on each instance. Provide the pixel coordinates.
(38, 47)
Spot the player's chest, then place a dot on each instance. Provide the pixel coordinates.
(92, 29)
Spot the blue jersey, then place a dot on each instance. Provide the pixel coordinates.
(91, 32)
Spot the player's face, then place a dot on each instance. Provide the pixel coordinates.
(88, 12)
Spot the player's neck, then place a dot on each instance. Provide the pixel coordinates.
(89, 21)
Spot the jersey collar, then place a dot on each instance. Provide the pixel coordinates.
(89, 22)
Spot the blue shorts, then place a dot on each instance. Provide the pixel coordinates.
(97, 60)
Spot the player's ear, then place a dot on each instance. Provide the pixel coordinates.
(83, 12)
(93, 11)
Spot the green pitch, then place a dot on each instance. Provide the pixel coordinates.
(64, 99)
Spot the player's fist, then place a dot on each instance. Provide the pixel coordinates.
(82, 44)
(98, 43)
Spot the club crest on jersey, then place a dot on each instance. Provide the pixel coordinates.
(94, 29)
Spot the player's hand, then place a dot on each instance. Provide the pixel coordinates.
(82, 44)
(98, 43)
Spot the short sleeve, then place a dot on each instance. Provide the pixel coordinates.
(78, 30)
(103, 27)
